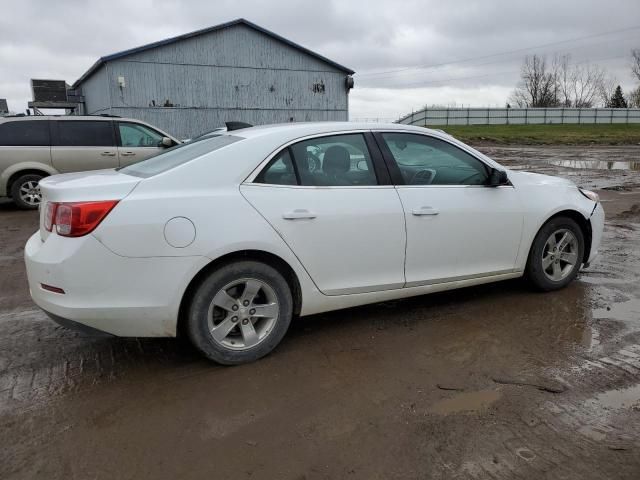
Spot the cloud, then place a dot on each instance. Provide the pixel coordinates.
(40, 38)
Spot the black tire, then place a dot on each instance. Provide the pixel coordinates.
(198, 316)
(535, 272)
(16, 187)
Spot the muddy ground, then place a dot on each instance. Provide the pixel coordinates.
(487, 382)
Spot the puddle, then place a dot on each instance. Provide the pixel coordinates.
(596, 164)
(466, 402)
(624, 398)
(628, 311)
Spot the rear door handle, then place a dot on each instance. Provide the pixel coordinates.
(127, 154)
(108, 154)
(425, 211)
(299, 214)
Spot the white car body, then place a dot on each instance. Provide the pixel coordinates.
(364, 244)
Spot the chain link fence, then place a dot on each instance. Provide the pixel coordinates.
(520, 116)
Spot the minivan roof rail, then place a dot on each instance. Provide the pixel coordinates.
(104, 115)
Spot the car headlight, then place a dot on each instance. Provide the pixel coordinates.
(589, 194)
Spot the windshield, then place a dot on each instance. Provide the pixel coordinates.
(178, 155)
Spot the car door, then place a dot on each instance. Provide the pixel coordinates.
(79, 145)
(457, 227)
(330, 199)
(137, 142)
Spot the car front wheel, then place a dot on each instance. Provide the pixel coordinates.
(556, 254)
(240, 312)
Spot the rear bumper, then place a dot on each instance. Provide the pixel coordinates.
(597, 227)
(131, 297)
(80, 327)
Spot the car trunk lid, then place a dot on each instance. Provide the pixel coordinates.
(89, 186)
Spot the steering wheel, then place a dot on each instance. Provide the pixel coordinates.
(313, 162)
(423, 177)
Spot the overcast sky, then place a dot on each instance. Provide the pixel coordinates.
(383, 41)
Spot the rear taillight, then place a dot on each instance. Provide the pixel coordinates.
(49, 215)
(75, 219)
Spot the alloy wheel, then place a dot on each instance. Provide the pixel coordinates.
(30, 193)
(243, 313)
(560, 255)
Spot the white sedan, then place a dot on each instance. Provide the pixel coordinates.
(227, 238)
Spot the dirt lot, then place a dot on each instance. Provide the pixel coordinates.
(487, 382)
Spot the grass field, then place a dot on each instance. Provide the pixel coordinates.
(546, 134)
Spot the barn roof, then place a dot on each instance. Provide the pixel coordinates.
(239, 21)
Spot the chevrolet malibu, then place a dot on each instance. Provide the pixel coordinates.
(226, 239)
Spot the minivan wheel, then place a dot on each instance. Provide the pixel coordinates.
(556, 254)
(25, 191)
(240, 312)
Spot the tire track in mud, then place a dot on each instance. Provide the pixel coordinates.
(46, 361)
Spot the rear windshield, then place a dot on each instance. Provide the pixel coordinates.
(178, 155)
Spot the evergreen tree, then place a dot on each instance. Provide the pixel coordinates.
(617, 100)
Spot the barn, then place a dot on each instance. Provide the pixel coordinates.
(195, 82)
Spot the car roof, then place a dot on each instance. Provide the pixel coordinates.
(301, 129)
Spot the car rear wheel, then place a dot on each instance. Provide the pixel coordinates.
(556, 254)
(25, 191)
(240, 313)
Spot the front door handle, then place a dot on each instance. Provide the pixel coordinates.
(108, 154)
(299, 214)
(425, 211)
(127, 154)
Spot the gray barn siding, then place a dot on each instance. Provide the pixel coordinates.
(98, 87)
(224, 87)
(236, 73)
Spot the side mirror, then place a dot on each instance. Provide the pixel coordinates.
(167, 142)
(497, 178)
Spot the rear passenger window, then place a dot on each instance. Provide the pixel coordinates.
(74, 133)
(279, 171)
(336, 160)
(26, 133)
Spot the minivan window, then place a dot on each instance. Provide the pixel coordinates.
(178, 155)
(26, 133)
(79, 133)
(136, 135)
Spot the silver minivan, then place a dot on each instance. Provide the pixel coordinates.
(33, 147)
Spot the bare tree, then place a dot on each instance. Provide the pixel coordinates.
(579, 84)
(560, 83)
(538, 86)
(606, 90)
(635, 62)
(633, 98)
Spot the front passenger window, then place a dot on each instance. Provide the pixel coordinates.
(424, 160)
(136, 135)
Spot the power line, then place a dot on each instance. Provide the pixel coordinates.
(509, 52)
(470, 77)
(493, 62)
